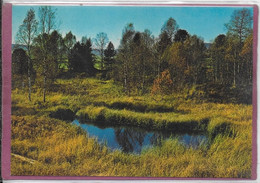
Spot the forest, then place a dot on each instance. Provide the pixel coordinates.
(143, 63)
(174, 82)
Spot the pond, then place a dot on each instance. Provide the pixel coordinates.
(134, 140)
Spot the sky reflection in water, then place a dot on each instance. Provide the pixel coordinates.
(133, 140)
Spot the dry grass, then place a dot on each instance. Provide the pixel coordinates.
(61, 149)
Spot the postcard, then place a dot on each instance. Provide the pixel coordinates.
(129, 91)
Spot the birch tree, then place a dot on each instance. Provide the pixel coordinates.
(101, 41)
(25, 35)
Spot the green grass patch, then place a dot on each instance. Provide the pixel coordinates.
(165, 121)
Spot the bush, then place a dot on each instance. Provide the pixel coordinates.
(163, 84)
(63, 114)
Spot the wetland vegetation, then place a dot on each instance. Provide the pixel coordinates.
(155, 107)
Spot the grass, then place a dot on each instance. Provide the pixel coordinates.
(150, 120)
(44, 144)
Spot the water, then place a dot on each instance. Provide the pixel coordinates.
(133, 140)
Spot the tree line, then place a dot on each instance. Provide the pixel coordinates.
(142, 63)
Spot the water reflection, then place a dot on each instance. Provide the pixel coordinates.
(131, 139)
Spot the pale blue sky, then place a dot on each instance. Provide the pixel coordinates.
(206, 22)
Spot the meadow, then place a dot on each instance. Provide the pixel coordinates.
(44, 142)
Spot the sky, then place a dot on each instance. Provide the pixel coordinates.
(205, 22)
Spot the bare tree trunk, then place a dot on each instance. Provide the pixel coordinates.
(125, 77)
(102, 60)
(44, 83)
(44, 89)
(29, 79)
(143, 79)
(227, 74)
(22, 79)
(234, 81)
(250, 72)
(159, 66)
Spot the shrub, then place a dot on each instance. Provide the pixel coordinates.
(163, 84)
(63, 114)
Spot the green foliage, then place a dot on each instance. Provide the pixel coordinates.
(136, 60)
(181, 35)
(19, 67)
(19, 62)
(69, 41)
(81, 58)
(101, 41)
(46, 53)
(109, 59)
(170, 27)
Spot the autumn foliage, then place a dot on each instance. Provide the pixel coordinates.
(163, 84)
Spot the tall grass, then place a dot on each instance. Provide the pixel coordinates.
(61, 149)
(68, 151)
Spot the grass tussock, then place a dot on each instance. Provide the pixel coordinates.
(166, 121)
(43, 144)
